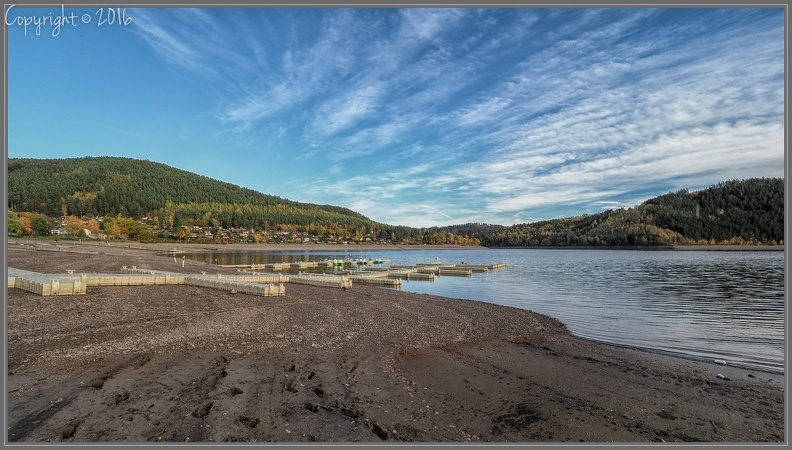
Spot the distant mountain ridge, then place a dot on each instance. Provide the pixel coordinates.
(731, 212)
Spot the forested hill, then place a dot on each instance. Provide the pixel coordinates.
(108, 186)
(731, 212)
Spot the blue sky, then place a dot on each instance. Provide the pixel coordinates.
(412, 116)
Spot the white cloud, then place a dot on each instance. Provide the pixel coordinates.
(151, 27)
(345, 111)
(426, 24)
(503, 117)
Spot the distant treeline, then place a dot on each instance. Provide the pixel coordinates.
(43, 191)
(167, 197)
(731, 212)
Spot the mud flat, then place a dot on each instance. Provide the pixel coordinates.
(366, 364)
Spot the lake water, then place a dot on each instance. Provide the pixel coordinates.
(699, 304)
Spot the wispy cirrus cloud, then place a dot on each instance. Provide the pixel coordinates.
(345, 111)
(427, 24)
(166, 41)
(483, 111)
(173, 34)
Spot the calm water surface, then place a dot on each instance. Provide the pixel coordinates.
(699, 304)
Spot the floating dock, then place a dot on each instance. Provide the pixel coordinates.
(264, 284)
(411, 275)
(76, 284)
(473, 267)
(321, 279)
(455, 272)
(45, 284)
(375, 278)
(265, 290)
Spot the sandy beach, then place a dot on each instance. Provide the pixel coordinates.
(367, 364)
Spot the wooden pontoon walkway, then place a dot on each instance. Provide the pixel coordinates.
(245, 281)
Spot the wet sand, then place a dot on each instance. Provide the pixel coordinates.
(188, 364)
